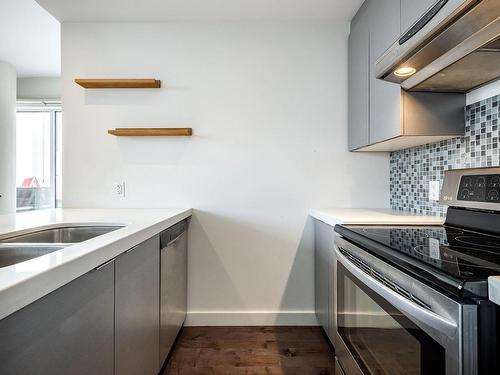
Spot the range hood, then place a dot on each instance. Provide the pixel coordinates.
(454, 47)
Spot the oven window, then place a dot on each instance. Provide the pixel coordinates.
(380, 338)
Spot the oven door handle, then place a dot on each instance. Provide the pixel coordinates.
(406, 306)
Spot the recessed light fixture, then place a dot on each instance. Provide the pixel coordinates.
(405, 71)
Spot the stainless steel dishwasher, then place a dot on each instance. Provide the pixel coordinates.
(173, 285)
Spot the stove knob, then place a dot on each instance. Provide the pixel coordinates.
(464, 194)
(493, 195)
(481, 182)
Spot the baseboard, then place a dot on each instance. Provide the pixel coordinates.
(251, 318)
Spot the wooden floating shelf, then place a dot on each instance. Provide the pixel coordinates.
(151, 132)
(125, 83)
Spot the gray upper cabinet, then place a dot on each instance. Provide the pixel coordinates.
(382, 116)
(69, 331)
(385, 97)
(137, 306)
(358, 80)
(412, 11)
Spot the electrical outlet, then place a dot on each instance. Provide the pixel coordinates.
(119, 189)
(433, 190)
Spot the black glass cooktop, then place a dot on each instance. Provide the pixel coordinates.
(463, 257)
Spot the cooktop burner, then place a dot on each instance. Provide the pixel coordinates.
(458, 252)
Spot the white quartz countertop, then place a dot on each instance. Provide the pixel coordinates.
(23, 283)
(372, 216)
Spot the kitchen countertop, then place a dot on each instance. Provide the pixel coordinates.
(372, 216)
(23, 283)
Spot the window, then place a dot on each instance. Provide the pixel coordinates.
(38, 158)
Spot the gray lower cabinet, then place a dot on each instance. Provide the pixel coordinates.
(173, 293)
(69, 331)
(323, 274)
(137, 278)
(104, 322)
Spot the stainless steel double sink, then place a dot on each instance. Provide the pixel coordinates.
(26, 246)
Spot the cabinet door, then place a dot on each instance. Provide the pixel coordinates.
(323, 258)
(137, 311)
(69, 331)
(173, 298)
(385, 97)
(358, 73)
(412, 11)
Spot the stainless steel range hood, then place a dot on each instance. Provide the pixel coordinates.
(454, 47)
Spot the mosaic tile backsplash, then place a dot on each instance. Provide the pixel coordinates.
(412, 169)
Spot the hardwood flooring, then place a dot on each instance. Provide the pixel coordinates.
(251, 351)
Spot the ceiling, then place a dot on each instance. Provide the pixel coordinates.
(30, 36)
(193, 10)
(30, 39)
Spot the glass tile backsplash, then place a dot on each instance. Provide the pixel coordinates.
(412, 169)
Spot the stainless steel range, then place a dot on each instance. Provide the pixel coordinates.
(414, 299)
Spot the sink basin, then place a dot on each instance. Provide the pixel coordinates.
(15, 253)
(17, 249)
(62, 235)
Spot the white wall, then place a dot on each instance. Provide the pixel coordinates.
(7, 138)
(39, 88)
(268, 105)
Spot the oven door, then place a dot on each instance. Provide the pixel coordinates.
(383, 329)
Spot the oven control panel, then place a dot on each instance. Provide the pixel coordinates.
(479, 188)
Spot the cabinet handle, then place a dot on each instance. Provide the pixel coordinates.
(419, 25)
(174, 241)
(129, 250)
(104, 264)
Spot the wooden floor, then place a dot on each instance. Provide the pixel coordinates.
(251, 351)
